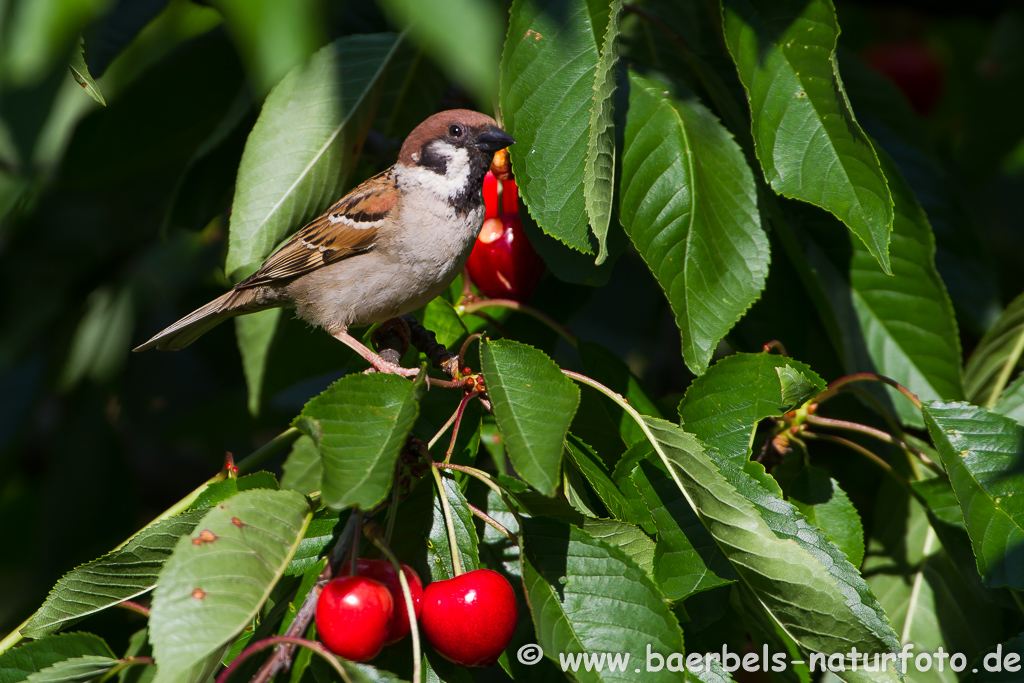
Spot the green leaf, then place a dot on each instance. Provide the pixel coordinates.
(534, 404)
(87, 668)
(806, 137)
(297, 162)
(19, 663)
(920, 586)
(441, 318)
(557, 82)
(982, 453)
(1011, 403)
(992, 364)
(439, 554)
(903, 325)
(255, 335)
(587, 596)
(42, 33)
(686, 559)
(302, 469)
(222, 490)
(722, 407)
(359, 425)
(689, 204)
(820, 499)
(315, 540)
(272, 37)
(606, 367)
(599, 173)
(120, 575)
(106, 37)
(807, 585)
(80, 70)
(470, 59)
(219, 577)
(627, 538)
(586, 460)
(102, 339)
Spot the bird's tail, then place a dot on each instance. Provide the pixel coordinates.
(202, 320)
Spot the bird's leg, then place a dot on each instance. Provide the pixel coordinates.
(378, 363)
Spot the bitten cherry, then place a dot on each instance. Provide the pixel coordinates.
(352, 617)
(503, 264)
(470, 619)
(383, 572)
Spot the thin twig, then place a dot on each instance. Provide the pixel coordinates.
(833, 387)
(288, 641)
(562, 330)
(854, 446)
(493, 522)
(884, 437)
(458, 422)
(272, 447)
(134, 607)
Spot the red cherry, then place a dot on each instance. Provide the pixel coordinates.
(503, 263)
(913, 67)
(509, 196)
(352, 617)
(490, 195)
(470, 619)
(383, 572)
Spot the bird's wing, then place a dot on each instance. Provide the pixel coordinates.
(349, 227)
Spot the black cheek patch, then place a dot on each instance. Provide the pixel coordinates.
(430, 159)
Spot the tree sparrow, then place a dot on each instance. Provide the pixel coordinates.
(386, 248)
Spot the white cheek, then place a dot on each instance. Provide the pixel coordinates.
(448, 185)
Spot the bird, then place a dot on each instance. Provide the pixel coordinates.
(386, 248)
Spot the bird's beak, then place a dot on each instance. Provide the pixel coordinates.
(493, 139)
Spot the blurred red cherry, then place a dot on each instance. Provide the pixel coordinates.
(913, 67)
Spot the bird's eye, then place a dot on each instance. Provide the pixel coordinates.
(455, 130)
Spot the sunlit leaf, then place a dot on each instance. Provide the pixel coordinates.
(218, 577)
(806, 137)
(689, 204)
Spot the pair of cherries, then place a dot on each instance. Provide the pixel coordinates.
(503, 263)
(469, 620)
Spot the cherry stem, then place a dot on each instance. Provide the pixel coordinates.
(474, 306)
(353, 567)
(372, 532)
(449, 524)
(290, 640)
(486, 479)
(878, 434)
(776, 345)
(458, 422)
(465, 347)
(393, 508)
(134, 607)
(833, 387)
(493, 522)
(854, 446)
